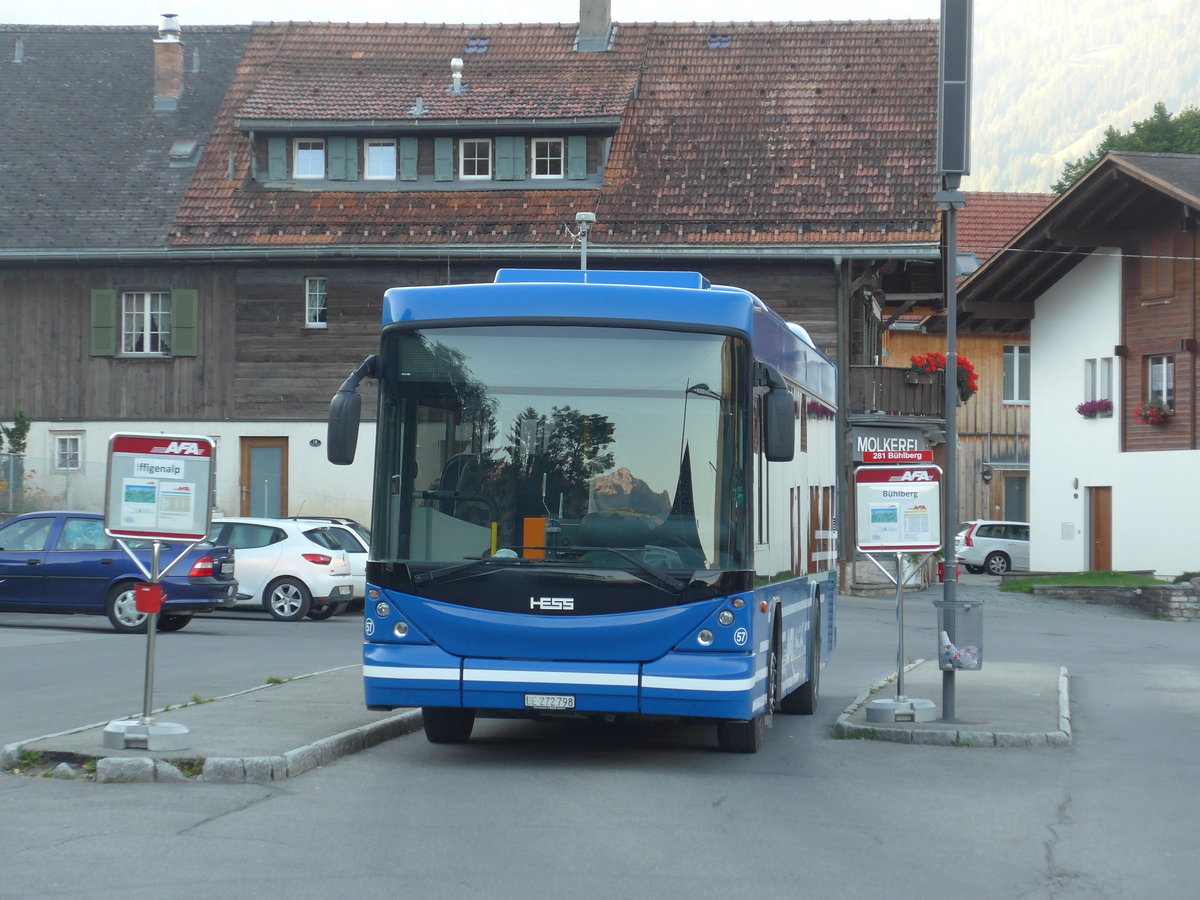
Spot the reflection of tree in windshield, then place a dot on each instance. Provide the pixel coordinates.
(563, 452)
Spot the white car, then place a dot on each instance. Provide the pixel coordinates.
(355, 539)
(292, 568)
(992, 547)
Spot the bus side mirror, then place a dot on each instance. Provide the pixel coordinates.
(345, 410)
(780, 437)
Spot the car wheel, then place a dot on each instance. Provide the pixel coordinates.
(173, 621)
(997, 563)
(121, 608)
(974, 570)
(327, 612)
(288, 600)
(447, 724)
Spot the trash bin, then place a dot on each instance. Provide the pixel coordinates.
(960, 634)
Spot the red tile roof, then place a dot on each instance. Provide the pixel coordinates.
(795, 134)
(991, 219)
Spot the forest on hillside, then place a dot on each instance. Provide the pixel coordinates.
(1051, 76)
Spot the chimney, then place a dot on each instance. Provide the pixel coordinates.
(595, 26)
(168, 65)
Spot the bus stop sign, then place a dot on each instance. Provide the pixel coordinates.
(159, 487)
(899, 509)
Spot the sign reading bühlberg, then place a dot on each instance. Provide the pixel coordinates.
(159, 487)
(899, 508)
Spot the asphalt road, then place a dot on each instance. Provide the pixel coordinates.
(528, 810)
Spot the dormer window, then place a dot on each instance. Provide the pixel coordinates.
(380, 159)
(475, 159)
(548, 156)
(309, 159)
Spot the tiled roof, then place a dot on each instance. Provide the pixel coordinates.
(83, 155)
(991, 219)
(792, 134)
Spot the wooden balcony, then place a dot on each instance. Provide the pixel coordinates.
(897, 392)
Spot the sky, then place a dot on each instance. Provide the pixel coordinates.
(234, 12)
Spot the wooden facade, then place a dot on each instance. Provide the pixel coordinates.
(993, 434)
(1160, 299)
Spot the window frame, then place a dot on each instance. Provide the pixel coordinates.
(298, 147)
(65, 438)
(1098, 381)
(316, 316)
(535, 158)
(150, 323)
(1166, 392)
(1014, 384)
(373, 143)
(463, 143)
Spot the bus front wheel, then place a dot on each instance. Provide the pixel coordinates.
(447, 725)
(741, 737)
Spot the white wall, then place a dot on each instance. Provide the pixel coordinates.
(1077, 319)
(315, 486)
(1154, 494)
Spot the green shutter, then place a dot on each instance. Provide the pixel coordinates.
(443, 159)
(510, 158)
(104, 323)
(343, 158)
(408, 159)
(183, 322)
(577, 157)
(276, 158)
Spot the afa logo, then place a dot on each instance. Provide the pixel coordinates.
(177, 448)
(916, 475)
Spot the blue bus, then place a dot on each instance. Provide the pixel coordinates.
(596, 494)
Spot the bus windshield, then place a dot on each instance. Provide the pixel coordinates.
(573, 446)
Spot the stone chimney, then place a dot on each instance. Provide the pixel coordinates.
(168, 65)
(595, 26)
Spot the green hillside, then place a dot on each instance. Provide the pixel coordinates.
(1050, 76)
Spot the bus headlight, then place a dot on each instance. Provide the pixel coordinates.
(725, 617)
(401, 630)
(704, 638)
(382, 609)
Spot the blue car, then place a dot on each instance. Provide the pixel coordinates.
(63, 562)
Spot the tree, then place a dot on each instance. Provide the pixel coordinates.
(1160, 133)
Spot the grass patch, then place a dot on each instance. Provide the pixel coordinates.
(1081, 579)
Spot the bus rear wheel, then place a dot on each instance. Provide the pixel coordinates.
(447, 725)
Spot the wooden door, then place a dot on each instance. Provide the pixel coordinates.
(264, 476)
(1100, 530)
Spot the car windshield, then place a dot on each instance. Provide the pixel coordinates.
(542, 442)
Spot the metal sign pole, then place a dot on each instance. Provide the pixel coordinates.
(151, 628)
(900, 579)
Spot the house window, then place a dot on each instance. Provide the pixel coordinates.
(67, 452)
(145, 323)
(308, 160)
(548, 156)
(475, 159)
(1097, 380)
(1158, 269)
(314, 304)
(1016, 373)
(1160, 379)
(380, 160)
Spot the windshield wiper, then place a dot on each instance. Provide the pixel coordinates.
(671, 582)
(469, 568)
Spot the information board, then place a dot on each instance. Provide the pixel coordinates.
(899, 508)
(159, 487)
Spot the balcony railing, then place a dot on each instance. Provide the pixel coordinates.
(897, 392)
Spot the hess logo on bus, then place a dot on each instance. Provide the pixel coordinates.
(559, 603)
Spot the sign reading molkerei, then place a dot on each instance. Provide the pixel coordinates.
(899, 508)
(159, 487)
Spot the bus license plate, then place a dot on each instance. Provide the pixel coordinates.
(549, 701)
